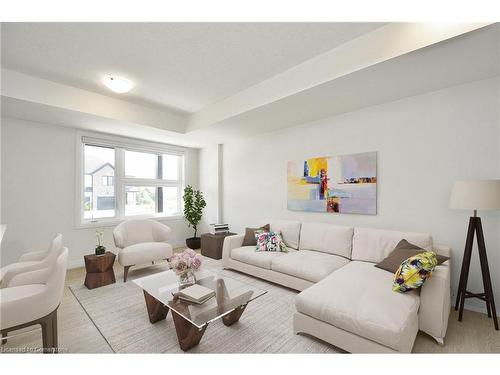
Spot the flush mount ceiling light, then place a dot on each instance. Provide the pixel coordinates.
(117, 84)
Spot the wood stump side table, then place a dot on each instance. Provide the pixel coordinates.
(211, 244)
(99, 270)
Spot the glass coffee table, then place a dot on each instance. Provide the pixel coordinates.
(190, 319)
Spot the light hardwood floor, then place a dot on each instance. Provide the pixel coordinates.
(78, 334)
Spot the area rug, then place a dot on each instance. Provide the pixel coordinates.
(119, 312)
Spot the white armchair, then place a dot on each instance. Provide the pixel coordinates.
(141, 242)
(31, 261)
(33, 297)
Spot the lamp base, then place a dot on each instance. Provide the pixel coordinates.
(475, 228)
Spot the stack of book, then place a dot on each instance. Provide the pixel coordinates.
(196, 294)
(219, 228)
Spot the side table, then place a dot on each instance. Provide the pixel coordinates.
(99, 270)
(211, 244)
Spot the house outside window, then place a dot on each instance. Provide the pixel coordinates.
(107, 180)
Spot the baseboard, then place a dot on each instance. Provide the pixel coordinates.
(480, 307)
(78, 263)
(475, 308)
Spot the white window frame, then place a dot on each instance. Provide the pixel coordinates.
(120, 145)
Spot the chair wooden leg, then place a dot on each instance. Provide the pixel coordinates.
(125, 273)
(54, 332)
(49, 332)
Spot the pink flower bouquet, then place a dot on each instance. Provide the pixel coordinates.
(188, 260)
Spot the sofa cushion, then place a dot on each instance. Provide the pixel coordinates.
(248, 255)
(414, 271)
(270, 241)
(290, 231)
(358, 298)
(308, 265)
(373, 245)
(327, 238)
(403, 251)
(145, 252)
(249, 238)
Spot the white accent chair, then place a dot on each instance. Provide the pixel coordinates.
(33, 297)
(31, 261)
(141, 242)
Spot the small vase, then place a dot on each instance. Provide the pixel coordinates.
(186, 279)
(100, 250)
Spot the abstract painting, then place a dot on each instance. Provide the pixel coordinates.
(345, 184)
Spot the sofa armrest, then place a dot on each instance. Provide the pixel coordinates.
(119, 238)
(435, 302)
(442, 250)
(230, 243)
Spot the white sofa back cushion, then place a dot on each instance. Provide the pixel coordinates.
(290, 231)
(327, 238)
(373, 245)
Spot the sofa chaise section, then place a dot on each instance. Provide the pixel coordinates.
(355, 308)
(358, 299)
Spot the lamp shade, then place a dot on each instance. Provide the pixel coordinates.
(476, 195)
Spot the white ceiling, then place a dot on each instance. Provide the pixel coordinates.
(467, 58)
(182, 66)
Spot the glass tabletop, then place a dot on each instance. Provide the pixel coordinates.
(229, 295)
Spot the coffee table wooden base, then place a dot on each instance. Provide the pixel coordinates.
(233, 316)
(156, 310)
(188, 334)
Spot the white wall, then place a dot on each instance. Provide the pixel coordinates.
(209, 185)
(424, 143)
(38, 191)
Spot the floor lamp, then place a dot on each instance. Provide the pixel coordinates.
(476, 195)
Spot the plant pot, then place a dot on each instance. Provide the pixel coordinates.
(193, 243)
(100, 250)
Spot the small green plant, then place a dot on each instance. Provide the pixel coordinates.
(100, 248)
(194, 203)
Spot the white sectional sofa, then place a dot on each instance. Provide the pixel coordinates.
(345, 300)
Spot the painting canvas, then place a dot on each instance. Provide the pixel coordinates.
(345, 184)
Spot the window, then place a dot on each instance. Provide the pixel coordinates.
(98, 162)
(140, 200)
(140, 165)
(107, 180)
(121, 180)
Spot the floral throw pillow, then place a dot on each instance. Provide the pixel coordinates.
(269, 241)
(413, 272)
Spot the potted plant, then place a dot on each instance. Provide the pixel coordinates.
(100, 249)
(194, 203)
